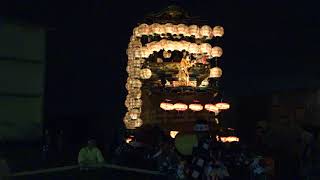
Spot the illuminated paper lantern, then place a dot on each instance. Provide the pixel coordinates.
(169, 28)
(145, 73)
(138, 123)
(218, 31)
(134, 113)
(194, 30)
(193, 48)
(155, 28)
(173, 134)
(223, 106)
(129, 123)
(211, 108)
(135, 93)
(178, 46)
(170, 46)
(143, 29)
(205, 31)
(144, 52)
(205, 48)
(166, 106)
(180, 107)
(229, 139)
(182, 29)
(216, 51)
(196, 107)
(215, 72)
(136, 32)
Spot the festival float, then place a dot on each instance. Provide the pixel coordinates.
(173, 72)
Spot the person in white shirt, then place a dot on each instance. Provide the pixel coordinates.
(90, 156)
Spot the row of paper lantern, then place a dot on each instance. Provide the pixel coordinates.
(167, 106)
(133, 100)
(181, 29)
(167, 45)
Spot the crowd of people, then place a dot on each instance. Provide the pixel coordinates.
(210, 159)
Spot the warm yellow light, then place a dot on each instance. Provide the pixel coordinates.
(196, 107)
(211, 108)
(166, 54)
(205, 48)
(223, 106)
(229, 139)
(215, 72)
(216, 51)
(182, 29)
(166, 106)
(138, 123)
(194, 30)
(145, 73)
(173, 133)
(218, 31)
(134, 113)
(180, 107)
(205, 31)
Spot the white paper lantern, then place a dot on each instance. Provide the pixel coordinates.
(193, 48)
(194, 30)
(182, 29)
(223, 106)
(180, 106)
(155, 28)
(134, 113)
(205, 31)
(138, 123)
(196, 107)
(167, 106)
(169, 28)
(135, 93)
(211, 108)
(205, 48)
(218, 31)
(216, 51)
(215, 72)
(145, 73)
(143, 29)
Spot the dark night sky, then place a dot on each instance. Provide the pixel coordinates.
(268, 45)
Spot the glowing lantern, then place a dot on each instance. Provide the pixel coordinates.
(205, 31)
(205, 48)
(180, 107)
(211, 108)
(193, 48)
(223, 106)
(169, 28)
(138, 123)
(135, 93)
(134, 113)
(170, 46)
(144, 52)
(173, 134)
(129, 124)
(216, 51)
(136, 32)
(178, 46)
(145, 73)
(143, 29)
(155, 28)
(215, 72)
(162, 30)
(229, 139)
(166, 54)
(182, 29)
(196, 107)
(194, 30)
(167, 106)
(218, 31)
